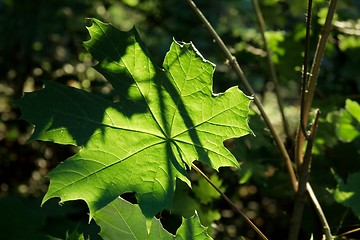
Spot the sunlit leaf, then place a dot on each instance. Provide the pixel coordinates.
(130, 224)
(165, 119)
(205, 192)
(348, 193)
(347, 121)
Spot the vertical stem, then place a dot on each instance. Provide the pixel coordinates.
(310, 88)
(273, 74)
(304, 80)
(303, 173)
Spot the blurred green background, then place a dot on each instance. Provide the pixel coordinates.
(42, 40)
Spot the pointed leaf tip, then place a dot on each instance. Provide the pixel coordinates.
(165, 120)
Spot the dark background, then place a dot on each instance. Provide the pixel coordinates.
(42, 40)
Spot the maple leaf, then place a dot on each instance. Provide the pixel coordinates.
(165, 119)
(347, 193)
(131, 224)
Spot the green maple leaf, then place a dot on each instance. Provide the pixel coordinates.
(347, 193)
(205, 192)
(347, 121)
(165, 119)
(131, 224)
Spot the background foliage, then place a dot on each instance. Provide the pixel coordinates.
(43, 40)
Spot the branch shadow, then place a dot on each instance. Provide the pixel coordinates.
(113, 68)
(81, 113)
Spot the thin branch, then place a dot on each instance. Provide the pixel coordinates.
(234, 64)
(253, 226)
(303, 173)
(320, 50)
(342, 220)
(310, 88)
(304, 80)
(319, 211)
(306, 105)
(273, 74)
(349, 232)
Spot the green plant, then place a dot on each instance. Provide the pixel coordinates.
(157, 118)
(164, 120)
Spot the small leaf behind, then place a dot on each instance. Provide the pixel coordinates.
(130, 224)
(348, 194)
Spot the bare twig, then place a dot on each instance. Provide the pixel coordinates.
(310, 88)
(273, 74)
(341, 223)
(253, 226)
(349, 232)
(319, 211)
(304, 80)
(308, 94)
(234, 64)
(303, 173)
